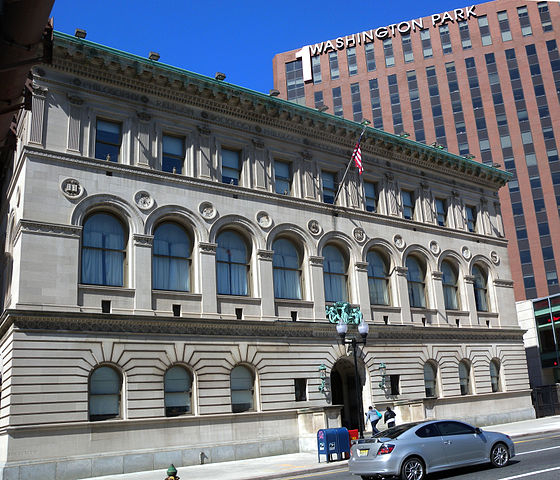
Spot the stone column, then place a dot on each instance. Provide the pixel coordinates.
(438, 298)
(208, 286)
(362, 290)
(38, 114)
(317, 287)
(75, 124)
(402, 293)
(469, 298)
(142, 258)
(266, 278)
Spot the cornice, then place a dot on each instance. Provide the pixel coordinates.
(186, 328)
(138, 78)
(45, 228)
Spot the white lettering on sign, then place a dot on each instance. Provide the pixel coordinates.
(381, 33)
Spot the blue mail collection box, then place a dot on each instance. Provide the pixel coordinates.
(333, 441)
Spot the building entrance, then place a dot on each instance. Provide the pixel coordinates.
(343, 388)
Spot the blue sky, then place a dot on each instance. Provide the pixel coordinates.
(237, 38)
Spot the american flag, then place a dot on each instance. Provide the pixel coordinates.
(357, 157)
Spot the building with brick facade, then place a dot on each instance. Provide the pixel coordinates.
(482, 81)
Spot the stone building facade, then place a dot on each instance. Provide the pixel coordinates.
(171, 243)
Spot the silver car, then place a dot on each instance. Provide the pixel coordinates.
(413, 450)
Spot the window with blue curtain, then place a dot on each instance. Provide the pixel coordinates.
(286, 266)
(378, 278)
(242, 384)
(177, 386)
(450, 286)
(416, 287)
(171, 258)
(103, 251)
(104, 393)
(480, 288)
(232, 264)
(335, 275)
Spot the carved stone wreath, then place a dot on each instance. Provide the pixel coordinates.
(71, 188)
(359, 234)
(314, 227)
(144, 200)
(207, 210)
(263, 219)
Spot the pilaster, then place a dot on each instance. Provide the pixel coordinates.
(142, 255)
(207, 252)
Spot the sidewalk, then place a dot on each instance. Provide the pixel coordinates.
(265, 468)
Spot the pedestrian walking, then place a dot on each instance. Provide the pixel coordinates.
(373, 416)
(389, 417)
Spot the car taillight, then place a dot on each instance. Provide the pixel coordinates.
(384, 449)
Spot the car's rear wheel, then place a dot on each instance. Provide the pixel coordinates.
(413, 469)
(499, 456)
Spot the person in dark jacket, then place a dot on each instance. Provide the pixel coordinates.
(389, 417)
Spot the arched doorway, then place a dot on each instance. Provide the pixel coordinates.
(343, 388)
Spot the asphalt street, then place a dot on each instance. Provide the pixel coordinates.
(537, 457)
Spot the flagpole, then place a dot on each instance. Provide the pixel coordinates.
(365, 123)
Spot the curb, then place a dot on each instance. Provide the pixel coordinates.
(339, 465)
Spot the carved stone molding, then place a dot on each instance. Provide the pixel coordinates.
(209, 248)
(258, 143)
(389, 176)
(51, 229)
(359, 234)
(465, 251)
(143, 200)
(71, 188)
(437, 275)
(314, 227)
(264, 220)
(499, 282)
(317, 261)
(399, 242)
(434, 247)
(361, 266)
(495, 257)
(143, 240)
(306, 155)
(143, 116)
(468, 279)
(203, 130)
(39, 91)
(265, 255)
(207, 210)
(75, 100)
(401, 271)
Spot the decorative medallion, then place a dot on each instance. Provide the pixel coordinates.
(144, 200)
(359, 234)
(71, 188)
(494, 257)
(263, 219)
(466, 253)
(434, 247)
(207, 210)
(314, 227)
(399, 242)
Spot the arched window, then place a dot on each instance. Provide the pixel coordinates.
(232, 263)
(430, 372)
(465, 377)
(177, 388)
(495, 375)
(334, 275)
(286, 266)
(103, 251)
(242, 384)
(416, 288)
(378, 278)
(480, 288)
(450, 286)
(171, 259)
(104, 393)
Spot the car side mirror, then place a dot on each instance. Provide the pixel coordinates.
(478, 431)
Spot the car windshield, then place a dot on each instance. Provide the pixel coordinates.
(395, 432)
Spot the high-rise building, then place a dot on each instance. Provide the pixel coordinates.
(481, 81)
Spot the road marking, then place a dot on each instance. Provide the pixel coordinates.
(315, 474)
(528, 474)
(536, 439)
(539, 450)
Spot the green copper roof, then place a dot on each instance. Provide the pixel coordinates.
(300, 109)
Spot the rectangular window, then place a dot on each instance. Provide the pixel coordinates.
(524, 21)
(108, 139)
(407, 204)
(333, 64)
(370, 194)
(551, 277)
(426, 43)
(231, 166)
(471, 218)
(356, 102)
(445, 40)
(370, 57)
(316, 66)
(545, 16)
(352, 63)
(388, 51)
(441, 212)
(300, 389)
(375, 103)
(407, 48)
(318, 97)
(329, 188)
(337, 102)
(504, 26)
(465, 35)
(484, 30)
(282, 177)
(294, 82)
(173, 154)
(395, 384)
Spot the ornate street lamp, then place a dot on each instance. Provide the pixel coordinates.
(342, 313)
